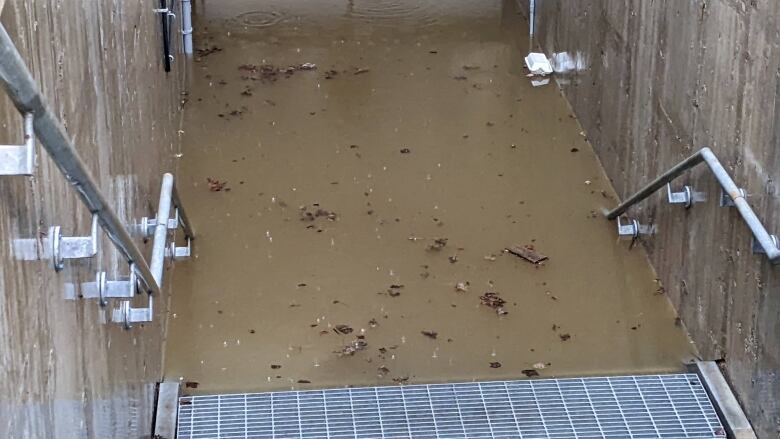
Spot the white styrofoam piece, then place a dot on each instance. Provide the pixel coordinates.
(538, 64)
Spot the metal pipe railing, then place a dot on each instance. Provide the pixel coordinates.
(182, 215)
(763, 238)
(17, 81)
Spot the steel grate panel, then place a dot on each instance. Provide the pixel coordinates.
(645, 406)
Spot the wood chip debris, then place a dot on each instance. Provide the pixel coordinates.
(430, 334)
(528, 253)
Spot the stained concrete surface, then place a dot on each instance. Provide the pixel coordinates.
(652, 82)
(417, 124)
(64, 372)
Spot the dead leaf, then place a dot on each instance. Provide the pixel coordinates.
(215, 185)
(349, 350)
(492, 300)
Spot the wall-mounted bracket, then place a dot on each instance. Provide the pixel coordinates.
(126, 315)
(684, 197)
(632, 229)
(20, 159)
(72, 247)
(737, 196)
(103, 289)
(725, 199)
(176, 253)
(148, 225)
(629, 230)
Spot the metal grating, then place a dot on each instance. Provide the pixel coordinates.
(652, 406)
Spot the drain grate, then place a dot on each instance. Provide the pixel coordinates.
(646, 406)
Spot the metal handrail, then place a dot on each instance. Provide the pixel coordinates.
(764, 239)
(17, 81)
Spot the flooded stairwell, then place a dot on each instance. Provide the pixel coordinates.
(360, 168)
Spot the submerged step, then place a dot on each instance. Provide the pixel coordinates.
(637, 406)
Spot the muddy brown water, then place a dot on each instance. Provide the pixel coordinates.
(417, 124)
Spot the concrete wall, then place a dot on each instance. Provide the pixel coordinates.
(64, 372)
(654, 81)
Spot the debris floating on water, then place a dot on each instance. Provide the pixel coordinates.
(538, 64)
(528, 253)
(494, 301)
(430, 334)
(462, 287)
(216, 185)
(206, 51)
(394, 290)
(342, 329)
(356, 345)
(437, 245)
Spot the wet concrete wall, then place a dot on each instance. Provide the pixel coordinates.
(64, 371)
(651, 82)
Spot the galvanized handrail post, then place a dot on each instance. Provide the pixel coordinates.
(162, 224)
(766, 241)
(17, 81)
